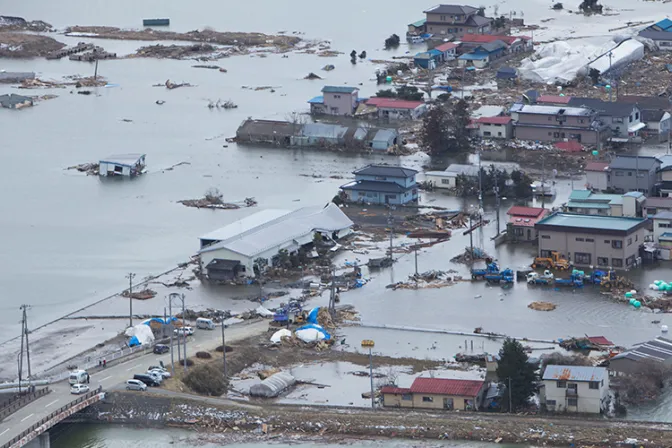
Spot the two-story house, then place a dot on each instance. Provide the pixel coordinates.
(554, 123)
(456, 20)
(633, 173)
(335, 100)
(382, 184)
(592, 240)
(624, 119)
(580, 389)
(664, 175)
(585, 202)
(515, 44)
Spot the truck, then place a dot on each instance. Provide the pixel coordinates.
(574, 280)
(491, 268)
(534, 278)
(505, 276)
(290, 313)
(555, 261)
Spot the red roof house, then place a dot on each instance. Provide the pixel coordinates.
(393, 103)
(597, 166)
(448, 46)
(494, 120)
(436, 393)
(553, 99)
(521, 222)
(444, 386)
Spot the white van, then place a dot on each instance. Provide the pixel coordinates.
(79, 377)
(205, 324)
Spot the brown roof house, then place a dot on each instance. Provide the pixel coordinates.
(437, 393)
(456, 20)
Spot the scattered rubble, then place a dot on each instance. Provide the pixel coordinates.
(144, 294)
(219, 104)
(20, 45)
(9, 23)
(179, 52)
(91, 169)
(468, 256)
(171, 85)
(429, 279)
(328, 67)
(209, 67)
(215, 202)
(312, 75)
(542, 306)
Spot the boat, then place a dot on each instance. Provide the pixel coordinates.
(156, 22)
(418, 38)
(542, 189)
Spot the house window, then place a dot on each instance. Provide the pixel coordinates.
(664, 225)
(630, 119)
(636, 115)
(337, 96)
(607, 241)
(617, 120)
(499, 134)
(594, 385)
(545, 237)
(427, 399)
(629, 241)
(641, 175)
(572, 401)
(486, 133)
(602, 261)
(581, 258)
(381, 178)
(590, 240)
(617, 244)
(617, 262)
(630, 260)
(556, 135)
(651, 211)
(636, 237)
(619, 173)
(561, 384)
(550, 134)
(445, 181)
(545, 253)
(549, 118)
(442, 18)
(519, 231)
(579, 239)
(629, 173)
(581, 120)
(550, 402)
(406, 397)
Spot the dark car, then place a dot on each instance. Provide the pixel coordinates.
(160, 349)
(148, 380)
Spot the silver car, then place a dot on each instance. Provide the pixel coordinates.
(135, 385)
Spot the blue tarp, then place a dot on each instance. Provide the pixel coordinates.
(159, 320)
(319, 328)
(133, 341)
(312, 316)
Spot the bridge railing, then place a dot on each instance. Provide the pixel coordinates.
(51, 416)
(20, 401)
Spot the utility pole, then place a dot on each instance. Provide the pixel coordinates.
(497, 199)
(130, 278)
(184, 336)
(390, 222)
(171, 329)
(610, 76)
(480, 190)
(95, 73)
(224, 349)
(416, 260)
(24, 334)
(332, 294)
(510, 402)
(367, 343)
(471, 235)
(543, 185)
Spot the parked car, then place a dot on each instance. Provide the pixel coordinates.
(147, 379)
(184, 331)
(163, 373)
(78, 377)
(79, 389)
(135, 385)
(160, 349)
(158, 377)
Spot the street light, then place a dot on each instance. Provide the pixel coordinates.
(368, 343)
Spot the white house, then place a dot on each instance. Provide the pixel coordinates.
(596, 176)
(495, 127)
(579, 389)
(441, 179)
(657, 122)
(122, 165)
(662, 223)
(238, 246)
(396, 109)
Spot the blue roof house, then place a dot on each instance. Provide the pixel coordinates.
(482, 55)
(427, 60)
(382, 184)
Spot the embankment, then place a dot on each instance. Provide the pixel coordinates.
(223, 416)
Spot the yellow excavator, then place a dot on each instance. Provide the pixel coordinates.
(555, 261)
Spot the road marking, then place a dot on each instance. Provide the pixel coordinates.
(51, 403)
(3, 432)
(134, 367)
(26, 418)
(106, 378)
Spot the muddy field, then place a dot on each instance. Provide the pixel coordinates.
(20, 45)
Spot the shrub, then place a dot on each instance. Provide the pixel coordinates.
(206, 379)
(203, 355)
(189, 362)
(220, 349)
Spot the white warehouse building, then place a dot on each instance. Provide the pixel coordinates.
(232, 250)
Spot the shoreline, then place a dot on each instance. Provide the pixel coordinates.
(225, 418)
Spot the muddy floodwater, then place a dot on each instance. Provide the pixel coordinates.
(104, 436)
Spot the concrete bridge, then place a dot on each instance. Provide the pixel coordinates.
(29, 425)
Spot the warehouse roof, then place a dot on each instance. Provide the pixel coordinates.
(660, 350)
(385, 171)
(284, 229)
(587, 223)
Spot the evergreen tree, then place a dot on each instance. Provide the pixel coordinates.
(458, 126)
(434, 135)
(513, 368)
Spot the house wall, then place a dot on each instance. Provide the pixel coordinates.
(390, 113)
(665, 123)
(520, 233)
(546, 134)
(617, 210)
(486, 130)
(556, 120)
(318, 109)
(225, 254)
(398, 400)
(664, 45)
(441, 182)
(600, 247)
(620, 125)
(587, 400)
(455, 29)
(661, 226)
(340, 103)
(405, 182)
(373, 197)
(623, 181)
(106, 169)
(459, 403)
(596, 180)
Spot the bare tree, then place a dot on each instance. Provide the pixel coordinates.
(214, 196)
(297, 119)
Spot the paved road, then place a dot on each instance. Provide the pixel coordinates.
(115, 375)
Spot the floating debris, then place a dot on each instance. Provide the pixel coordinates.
(542, 306)
(312, 75)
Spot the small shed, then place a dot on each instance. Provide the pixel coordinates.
(224, 270)
(437, 55)
(273, 385)
(507, 73)
(476, 60)
(14, 101)
(129, 165)
(383, 139)
(425, 60)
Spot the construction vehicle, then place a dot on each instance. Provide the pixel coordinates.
(491, 268)
(574, 280)
(533, 278)
(608, 280)
(555, 261)
(290, 313)
(505, 276)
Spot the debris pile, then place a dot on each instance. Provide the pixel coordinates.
(145, 294)
(177, 51)
(219, 104)
(584, 343)
(328, 67)
(171, 85)
(312, 75)
(469, 256)
(429, 279)
(542, 306)
(21, 45)
(91, 169)
(215, 202)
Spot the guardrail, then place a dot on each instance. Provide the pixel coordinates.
(51, 416)
(20, 401)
